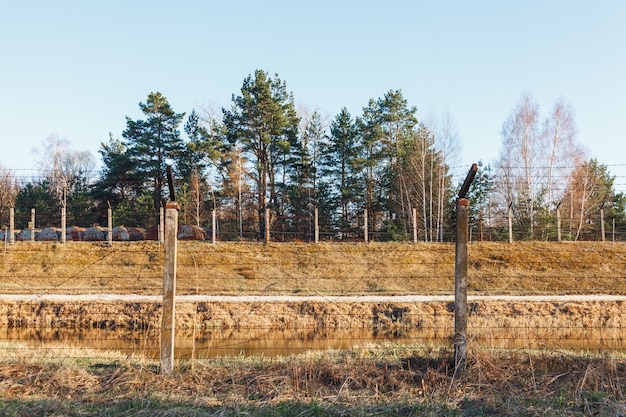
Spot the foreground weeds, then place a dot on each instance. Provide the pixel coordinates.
(370, 380)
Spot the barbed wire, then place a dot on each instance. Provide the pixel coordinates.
(403, 325)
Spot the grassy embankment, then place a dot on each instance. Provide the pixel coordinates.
(307, 269)
(330, 270)
(397, 380)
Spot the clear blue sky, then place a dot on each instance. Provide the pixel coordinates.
(75, 69)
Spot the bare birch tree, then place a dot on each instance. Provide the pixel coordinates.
(9, 189)
(536, 162)
(561, 151)
(447, 143)
(519, 162)
(63, 168)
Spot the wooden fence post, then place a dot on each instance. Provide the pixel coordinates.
(613, 232)
(169, 288)
(365, 231)
(602, 231)
(460, 283)
(460, 273)
(414, 225)
(109, 225)
(558, 224)
(213, 223)
(63, 224)
(317, 226)
(267, 225)
(161, 225)
(11, 225)
(510, 222)
(32, 224)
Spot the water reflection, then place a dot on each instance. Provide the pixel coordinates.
(270, 343)
(216, 343)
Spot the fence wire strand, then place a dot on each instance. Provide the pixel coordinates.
(325, 314)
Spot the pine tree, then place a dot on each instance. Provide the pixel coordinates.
(340, 168)
(263, 123)
(153, 143)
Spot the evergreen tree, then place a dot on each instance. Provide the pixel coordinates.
(397, 123)
(589, 190)
(153, 143)
(372, 161)
(481, 200)
(263, 123)
(37, 195)
(340, 169)
(119, 184)
(303, 174)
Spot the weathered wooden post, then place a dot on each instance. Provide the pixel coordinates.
(64, 215)
(365, 231)
(613, 230)
(11, 225)
(109, 225)
(317, 226)
(511, 222)
(460, 273)
(267, 225)
(558, 222)
(414, 225)
(169, 281)
(32, 224)
(161, 225)
(602, 231)
(63, 224)
(213, 224)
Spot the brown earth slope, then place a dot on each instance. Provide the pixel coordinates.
(307, 269)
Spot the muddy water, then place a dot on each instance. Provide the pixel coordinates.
(271, 343)
(210, 344)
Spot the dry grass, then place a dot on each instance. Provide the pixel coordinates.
(307, 269)
(387, 380)
(368, 380)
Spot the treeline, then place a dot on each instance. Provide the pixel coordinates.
(263, 153)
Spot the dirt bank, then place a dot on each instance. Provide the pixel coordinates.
(329, 269)
(484, 314)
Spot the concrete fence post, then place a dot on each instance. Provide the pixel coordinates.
(168, 324)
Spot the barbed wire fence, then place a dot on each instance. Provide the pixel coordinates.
(488, 224)
(273, 299)
(282, 299)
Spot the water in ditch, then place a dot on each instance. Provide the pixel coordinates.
(272, 343)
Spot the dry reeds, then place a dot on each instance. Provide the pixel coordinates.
(391, 379)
